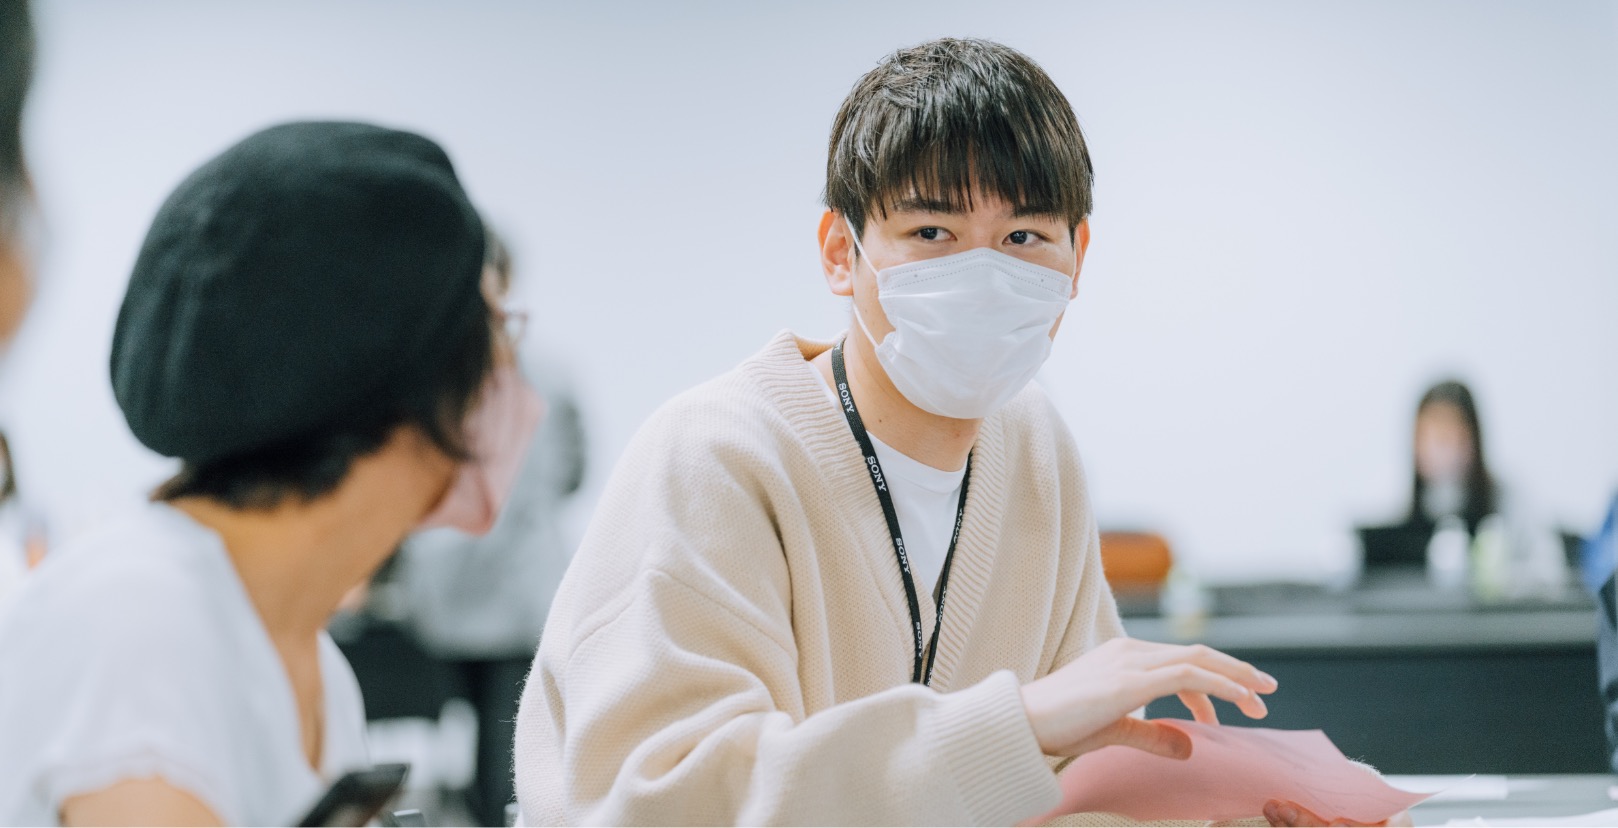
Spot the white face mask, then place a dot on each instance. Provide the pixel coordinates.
(969, 330)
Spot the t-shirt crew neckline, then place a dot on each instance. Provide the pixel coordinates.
(905, 466)
(925, 498)
(220, 556)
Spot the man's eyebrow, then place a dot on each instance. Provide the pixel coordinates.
(917, 204)
(1036, 211)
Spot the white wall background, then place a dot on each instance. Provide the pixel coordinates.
(1305, 213)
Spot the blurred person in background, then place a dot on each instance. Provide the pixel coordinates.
(1598, 554)
(479, 603)
(1453, 494)
(22, 534)
(1598, 560)
(1450, 476)
(305, 330)
(16, 190)
(1464, 519)
(21, 538)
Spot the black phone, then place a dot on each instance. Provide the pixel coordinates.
(357, 797)
(408, 818)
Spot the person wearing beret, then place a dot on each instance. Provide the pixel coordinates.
(16, 205)
(16, 192)
(305, 331)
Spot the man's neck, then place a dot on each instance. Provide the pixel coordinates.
(940, 442)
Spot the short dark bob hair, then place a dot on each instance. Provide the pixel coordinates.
(434, 396)
(938, 120)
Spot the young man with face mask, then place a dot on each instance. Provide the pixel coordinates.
(859, 582)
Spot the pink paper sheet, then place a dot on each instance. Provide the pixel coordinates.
(1232, 772)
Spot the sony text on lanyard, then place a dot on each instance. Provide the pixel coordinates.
(922, 668)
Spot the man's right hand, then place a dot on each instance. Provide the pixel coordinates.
(1086, 704)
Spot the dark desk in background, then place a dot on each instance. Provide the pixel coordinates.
(1415, 683)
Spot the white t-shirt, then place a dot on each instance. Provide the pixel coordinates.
(926, 500)
(136, 652)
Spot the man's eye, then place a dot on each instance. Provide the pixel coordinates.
(929, 233)
(1019, 237)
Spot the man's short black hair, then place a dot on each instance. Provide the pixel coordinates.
(16, 72)
(936, 120)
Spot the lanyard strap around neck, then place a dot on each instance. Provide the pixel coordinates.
(922, 671)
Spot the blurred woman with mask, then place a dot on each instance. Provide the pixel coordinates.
(1475, 534)
(305, 331)
(1451, 476)
(478, 604)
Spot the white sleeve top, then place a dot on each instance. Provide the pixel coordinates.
(136, 652)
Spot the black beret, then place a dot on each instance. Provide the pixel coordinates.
(287, 282)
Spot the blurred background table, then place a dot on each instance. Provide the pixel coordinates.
(1513, 797)
(1412, 681)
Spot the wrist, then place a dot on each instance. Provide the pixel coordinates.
(1038, 715)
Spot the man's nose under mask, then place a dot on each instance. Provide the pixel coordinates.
(970, 330)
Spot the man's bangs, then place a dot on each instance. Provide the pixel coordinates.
(1022, 158)
(947, 175)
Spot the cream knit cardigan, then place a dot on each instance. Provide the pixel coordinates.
(731, 644)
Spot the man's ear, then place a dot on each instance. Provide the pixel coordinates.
(1081, 243)
(836, 257)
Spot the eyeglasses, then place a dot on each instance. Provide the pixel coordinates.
(514, 321)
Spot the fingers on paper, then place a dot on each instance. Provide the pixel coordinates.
(1173, 679)
(1213, 661)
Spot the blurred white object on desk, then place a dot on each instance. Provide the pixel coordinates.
(1185, 603)
(1526, 799)
(1446, 555)
(1454, 788)
(1491, 560)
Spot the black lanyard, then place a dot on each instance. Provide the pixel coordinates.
(922, 672)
